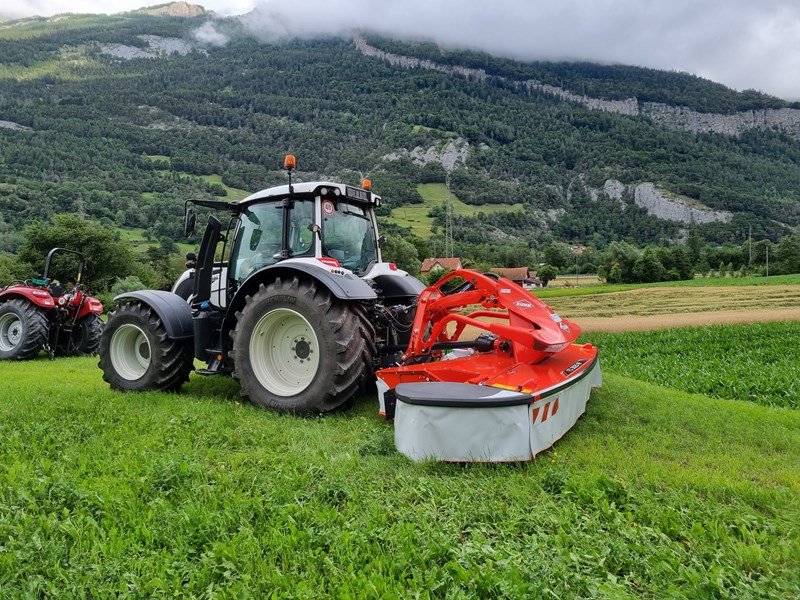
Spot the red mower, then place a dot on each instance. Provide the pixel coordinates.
(40, 314)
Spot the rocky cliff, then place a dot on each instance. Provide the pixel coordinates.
(664, 205)
(673, 117)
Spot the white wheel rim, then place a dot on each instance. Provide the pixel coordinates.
(130, 352)
(10, 331)
(284, 352)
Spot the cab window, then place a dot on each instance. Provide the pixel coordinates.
(348, 236)
(259, 237)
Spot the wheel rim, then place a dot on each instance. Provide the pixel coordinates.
(130, 352)
(284, 352)
(10, 331)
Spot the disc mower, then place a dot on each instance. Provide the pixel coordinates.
(42, 314)
(289, 295)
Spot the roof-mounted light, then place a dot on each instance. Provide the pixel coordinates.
(366, 184)
(290, 162)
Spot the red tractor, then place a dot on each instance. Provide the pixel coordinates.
(41, 314)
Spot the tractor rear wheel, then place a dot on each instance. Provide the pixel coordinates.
(299, 349)
(87, 334)
(137, 355)
(23, 330)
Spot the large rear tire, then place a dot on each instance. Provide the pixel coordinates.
(137, 355)
(297, 348)
(23, 330)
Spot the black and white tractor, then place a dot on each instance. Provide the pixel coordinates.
(288, 294)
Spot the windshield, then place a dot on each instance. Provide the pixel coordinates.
(348, 236)
(259, 237)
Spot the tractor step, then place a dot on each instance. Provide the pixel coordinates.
(214, 368)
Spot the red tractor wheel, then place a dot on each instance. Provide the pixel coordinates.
(86, 336)
(23, 330)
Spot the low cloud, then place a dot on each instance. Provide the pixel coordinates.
(740, 43)
(208, 34)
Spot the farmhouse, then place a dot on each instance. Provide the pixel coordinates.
(519, 275)
(440, 264)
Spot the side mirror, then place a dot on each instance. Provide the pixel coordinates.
(255, 238)
(189, 220)
(381, 241)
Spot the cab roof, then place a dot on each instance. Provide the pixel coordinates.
(312, 188)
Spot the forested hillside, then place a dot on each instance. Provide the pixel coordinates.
(122, 118)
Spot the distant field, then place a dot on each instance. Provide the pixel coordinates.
(233, 193)
(756, 362)
(135, 235)
(647, 301)
(551, 292)
(415, 216)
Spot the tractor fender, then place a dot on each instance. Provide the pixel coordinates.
(90, 306)
(37, 296)
(345, 287)
(174, 312)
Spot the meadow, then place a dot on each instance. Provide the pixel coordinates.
(655, 492)
(415, 216)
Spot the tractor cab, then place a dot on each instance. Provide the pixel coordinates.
(328, 225)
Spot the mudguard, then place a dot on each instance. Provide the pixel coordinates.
(344, 287)
(398, 288)
(173, 311)
(39, 297)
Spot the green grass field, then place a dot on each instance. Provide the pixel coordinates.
(655, 492)
(759, 362)
(415, 216)
(135, 236)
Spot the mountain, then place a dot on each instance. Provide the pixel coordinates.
(123, 117)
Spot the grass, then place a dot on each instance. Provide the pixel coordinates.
(233, 193)
(759, 362)
(415, 216)
(135, 236)
(655, 493)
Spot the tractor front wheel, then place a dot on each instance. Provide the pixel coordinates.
(297, 348)
(23, 330)
(137, 355)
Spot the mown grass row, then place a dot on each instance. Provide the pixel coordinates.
(655, 492)
(589, 290)
(759, 362)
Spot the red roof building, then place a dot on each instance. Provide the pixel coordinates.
(519, 275)
(440, 264)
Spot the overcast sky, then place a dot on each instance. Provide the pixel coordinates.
(742, 43)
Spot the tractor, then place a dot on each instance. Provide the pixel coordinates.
(288, 294)
(40, 313)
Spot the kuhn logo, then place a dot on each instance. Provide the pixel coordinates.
(574, 367)
(523, 304)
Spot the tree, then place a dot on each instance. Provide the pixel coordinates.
(11, 269)
(106, 257)
(648, 268)
(558, 254)
(546, 274)
(401, 253)
(787, 255)
(127, 284)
